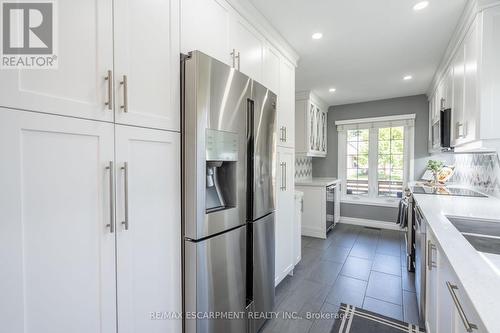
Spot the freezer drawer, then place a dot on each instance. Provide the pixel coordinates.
(215, 273)
(263, 266)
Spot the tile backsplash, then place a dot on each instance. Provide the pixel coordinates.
(481, 171)
(303, 167)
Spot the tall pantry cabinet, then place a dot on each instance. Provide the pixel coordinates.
(90, 233)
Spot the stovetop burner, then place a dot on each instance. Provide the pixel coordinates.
(452, 191)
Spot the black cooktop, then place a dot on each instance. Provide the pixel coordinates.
(453, 191)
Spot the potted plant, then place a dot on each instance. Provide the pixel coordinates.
(435, 167)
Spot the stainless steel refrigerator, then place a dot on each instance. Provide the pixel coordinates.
(229, 152)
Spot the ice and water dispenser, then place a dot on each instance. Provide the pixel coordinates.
(221, 170)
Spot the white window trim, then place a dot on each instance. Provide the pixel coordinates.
(408, 121)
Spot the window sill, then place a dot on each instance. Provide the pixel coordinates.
(381, 202)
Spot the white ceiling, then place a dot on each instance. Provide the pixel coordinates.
(367, 45)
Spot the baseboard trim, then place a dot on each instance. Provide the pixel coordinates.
(312, 232)
(370, 223)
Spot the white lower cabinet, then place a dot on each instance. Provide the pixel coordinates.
(448, 308)
(284, 262)
(56, 250)
(148, 228)
(62, 251)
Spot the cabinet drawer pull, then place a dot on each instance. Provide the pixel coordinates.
(124, 83)
(125, 189)
(284, 129)
(430, 247)
(111, 224)
(468, 326)
(109, 78)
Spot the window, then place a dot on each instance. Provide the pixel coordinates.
(390, 161)
(375, 157)
(357, 161)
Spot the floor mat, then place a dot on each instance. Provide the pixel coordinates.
(355, 320)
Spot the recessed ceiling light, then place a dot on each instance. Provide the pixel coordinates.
(332, 90)
(317, 35)
(421, 5)
(407, 77)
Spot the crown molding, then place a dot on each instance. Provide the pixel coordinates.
(264, 27)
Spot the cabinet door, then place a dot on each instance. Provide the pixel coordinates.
(445, 314)
(284, 213)
(146, 57)
(431, 297)
(448, 86)
(271, 69)
(85, 54)
(205, 27)
(324, 131)
(148, 228)
(311, 127)
(286, 104)
(56, 246)
(245, 40)
(471, 106)
(458, 126)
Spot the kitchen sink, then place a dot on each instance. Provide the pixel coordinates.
(483, 235)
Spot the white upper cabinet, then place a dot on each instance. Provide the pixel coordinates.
(205, 27)
(148, 229)
(286, 105)
(57, 243)
(247, 45)
(271, 69)
(127, 73)
(85, 54)
(146, 58)
(311, 121)
(475, 72)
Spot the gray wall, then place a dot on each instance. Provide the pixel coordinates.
(327, 167)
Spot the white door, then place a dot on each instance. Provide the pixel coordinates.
(284, 213)
(85, 54)
(146, 57)
(205, 27)
(148, 229)
(56, 246)
(245, 40)
(445, 306)
(286, 103)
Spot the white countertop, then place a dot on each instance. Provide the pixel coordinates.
(479, 273)
(317, 181)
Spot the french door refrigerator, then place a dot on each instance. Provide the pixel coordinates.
(229, 150)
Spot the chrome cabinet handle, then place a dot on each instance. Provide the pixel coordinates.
(236, 59)
(468, 325)
(285, 133)
(111, 224)
(430, 248)
(124, 83)
(109, 78)
(281, 133)
(285, 177)
(282, 166)
(125, 187)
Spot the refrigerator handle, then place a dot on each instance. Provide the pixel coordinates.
(250, 160)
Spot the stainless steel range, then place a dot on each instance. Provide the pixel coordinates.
(228, 196)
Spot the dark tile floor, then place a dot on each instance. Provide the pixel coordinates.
(360, 266)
